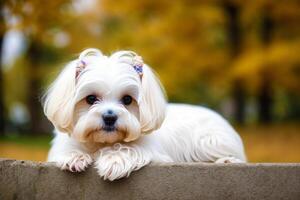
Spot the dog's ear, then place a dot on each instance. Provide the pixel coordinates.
(58, 100)
(153, 103)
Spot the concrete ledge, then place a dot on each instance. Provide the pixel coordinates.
(32, 180)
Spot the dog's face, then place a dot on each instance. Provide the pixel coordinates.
(107, 102)
(105, 99)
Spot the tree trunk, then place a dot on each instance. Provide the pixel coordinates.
(265, 92)
(33, 103)
(265, 102)
(239, 97)
(234, 36)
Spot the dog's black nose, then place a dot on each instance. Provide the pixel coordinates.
(109, 118)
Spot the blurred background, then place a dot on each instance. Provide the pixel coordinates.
(241, 58)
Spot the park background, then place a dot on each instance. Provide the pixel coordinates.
(241, 58)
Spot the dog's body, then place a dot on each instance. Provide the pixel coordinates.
(143, 130)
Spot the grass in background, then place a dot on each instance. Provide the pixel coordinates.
(25, 147)
(272, 143)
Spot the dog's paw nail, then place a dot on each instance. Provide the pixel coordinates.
(77, 162)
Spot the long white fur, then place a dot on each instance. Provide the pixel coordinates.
(149, 130)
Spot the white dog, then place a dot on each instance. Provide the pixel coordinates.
(112, 111)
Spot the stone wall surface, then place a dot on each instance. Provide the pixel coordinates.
(33, 180)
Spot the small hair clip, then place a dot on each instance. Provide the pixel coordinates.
(81, 64)
(137, 64)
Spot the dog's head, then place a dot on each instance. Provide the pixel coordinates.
(106, 99)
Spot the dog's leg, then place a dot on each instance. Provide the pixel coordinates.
(218, 149)
(68, 155)
(120, 160)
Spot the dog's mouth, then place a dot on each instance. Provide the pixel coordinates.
(109, 128)
(106, 135)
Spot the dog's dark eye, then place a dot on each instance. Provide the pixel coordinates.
(126, 100)
(91, 99)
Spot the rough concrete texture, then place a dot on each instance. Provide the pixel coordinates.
(32, 180)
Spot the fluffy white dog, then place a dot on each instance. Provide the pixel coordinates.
(112, 111)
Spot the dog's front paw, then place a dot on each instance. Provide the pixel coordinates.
(119, 161)
(76, 162)
(114, 169)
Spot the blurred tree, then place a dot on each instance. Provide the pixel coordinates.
(269, 60)
(51, 30)
(35, 20)
(34, 53)
(232, 10)
(265, 93)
